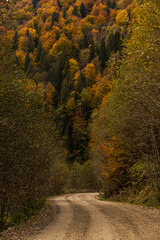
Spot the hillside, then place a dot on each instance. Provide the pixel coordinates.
(68, 44)
(90, 76)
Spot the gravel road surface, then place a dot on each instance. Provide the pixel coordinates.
(83, 217)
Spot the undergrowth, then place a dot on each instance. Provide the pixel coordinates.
(143, 197)
(26, 213)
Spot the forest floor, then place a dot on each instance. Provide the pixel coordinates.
(83, 217)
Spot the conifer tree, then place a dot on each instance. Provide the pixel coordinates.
(7, 7)
(75, 11)
(109, 4)
(34, 2)
(39, 51)
(114, 4)
(59, 4)
(64, 13)
(27, 32)
(102, 54)
(92, 52)
(55, 17)
(27, 62)
(83, 10)
(30, 45)
(15, 41)
(45, 64)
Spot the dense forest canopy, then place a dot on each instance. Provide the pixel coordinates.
(79, 99)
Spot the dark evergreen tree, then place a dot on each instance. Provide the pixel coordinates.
(35, 25)
(59, 4)
(81, 83)
(108, 10)
(27, 32)
(7, 7)
(55, 17)
(15, 41)
(75, 53)
(43, 54)
(39, 51)
(75, 11)
(114, 4)
(57, 75)
(83, 10)
(30, 45)
(45, 64)
(109, 5)
(34, 2)
(102, 54)
(36, 41)
(92, 51)
(117, 41)
(27, 62)
(69, 36)
(85, 43)
(64, 13)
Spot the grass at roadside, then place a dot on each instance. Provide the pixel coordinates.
(144, 197)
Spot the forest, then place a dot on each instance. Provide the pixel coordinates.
(79, 102)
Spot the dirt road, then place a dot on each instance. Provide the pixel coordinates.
(83, 217)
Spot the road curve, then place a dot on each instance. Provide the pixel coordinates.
(83, 217)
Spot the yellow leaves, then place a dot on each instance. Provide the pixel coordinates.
(86, 96)
(95, 34)
(50, 91)
(115, 156)
(30, 85)
(90, 73)
(76, 78)
(23, 43)
(69, 12)
(100, 20)
(71, 107)
(32, 32)
(48, 38)
(73, 68)
(99, 89)
(40, 88)
(60, 44)
(95, 11)
(113, 13)
(33, 58)
(80, 122)
(122, 18)
(21, 57)
(46, 95)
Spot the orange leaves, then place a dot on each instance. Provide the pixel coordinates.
(32, 32)
(99, 89)
(48, 38)
(115, 163)
(23, 43)
(71, 107)
(21, 57)
(50, 91)
(122, 18)
(73, 68)
(80, 122)
(95, 34)
(46, 94)
(90, 73)
(60, 44)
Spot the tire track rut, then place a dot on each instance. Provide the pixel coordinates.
(80, 222)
